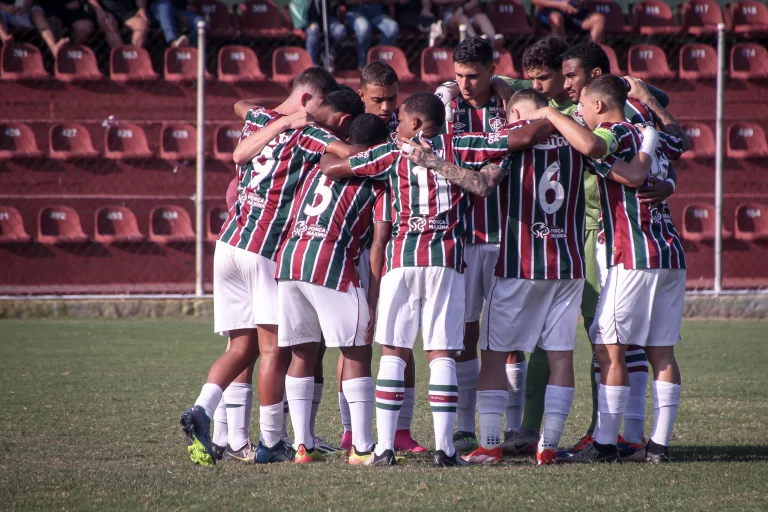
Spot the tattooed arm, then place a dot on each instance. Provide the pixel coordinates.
(668, 123)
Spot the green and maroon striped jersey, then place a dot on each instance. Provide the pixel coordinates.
(381, 212)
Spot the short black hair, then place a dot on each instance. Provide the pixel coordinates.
(546, 52)
(426, 104)
(344, 100)
(590, 56)
(378, 73)
(609, 88)
(474, 49)
(317, 79)
(368, 130)
(538, 97)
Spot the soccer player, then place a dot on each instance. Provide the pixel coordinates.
(379, 87)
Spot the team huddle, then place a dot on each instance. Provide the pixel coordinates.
(487, 215)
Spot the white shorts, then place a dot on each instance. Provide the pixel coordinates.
(640, 307)
(309, 312)
(481, 262)
(602, 268)
(244, 290)
(522, 314)
(364, 269)
(430, 298)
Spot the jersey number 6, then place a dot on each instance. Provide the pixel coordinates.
(545, 185)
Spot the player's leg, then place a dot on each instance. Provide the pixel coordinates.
(360, 389)
(238, 399)
(515, 369)
(346, 421)
(108, 24)
(404, 441)
(537, 377)
(491, 401)
(632, 441)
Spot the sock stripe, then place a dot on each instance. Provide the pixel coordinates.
(447, 388)
(638, 369)
(442, 399)
(396, 396)
(637, 358)
(439, 408)
(387, 406)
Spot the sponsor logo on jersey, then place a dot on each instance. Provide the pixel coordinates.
(539, 230)
(417, 223)
(427, 223)
(496, 123)
(458, 127)
(363, 155)
(315, 230)
(300, 228)
(552, 142)
(253, 200)
(495, 109)
(461, 111)
(493, 137)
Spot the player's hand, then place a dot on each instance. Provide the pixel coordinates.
(654, 192)
(502, 91)
(542, 113)
(420, 154)
(638, 89)
(299, 120)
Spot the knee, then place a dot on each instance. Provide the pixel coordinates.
(390, 29)
(661, 358)
(362, 27)
(313, 30)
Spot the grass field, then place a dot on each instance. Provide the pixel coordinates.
(90, 409)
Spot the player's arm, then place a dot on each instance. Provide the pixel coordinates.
(581, 138)
(243, 106)
(529, 135)
(336, 167)
(382, 232)
(667, 123)
(252, 146)
(635, 172)
(342, 149)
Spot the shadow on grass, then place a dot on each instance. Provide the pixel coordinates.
(719, 453)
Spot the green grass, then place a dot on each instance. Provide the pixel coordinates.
(90, 410)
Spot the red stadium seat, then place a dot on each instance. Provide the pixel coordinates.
(748, 17)
(437, 65)
(751, 222)
(611, 53)
(225, 140)
(126, 141)
(395, 57)
(654, 17)
(181, 64)
(510, 19)
(700, 17)
(749, 61)
(288, 62)
(648, 62)
(70, 140)
(698, 61)
(216, 218)
(60, 225)
(261, 19)
(170, 224)
(217, 16)
(12, 227)
(178, 141)
(77, 63)
(130, 64)
(699, 223)
(746, 140)
(239, 64)
(22, 61)
(116, 224)
(17, 140)
(505, 65)
(614, 17)
(702, 141)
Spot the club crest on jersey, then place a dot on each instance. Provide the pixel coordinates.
(496, 123)
(539, 230)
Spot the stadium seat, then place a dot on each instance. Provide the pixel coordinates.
(749, 61)
(130, 64)
(217, 16)
(510, 19)
(225, 140)
(698, 61)
(654, 18)
(611, 53)
(12, 226)
(216, 218)
(505, 65)
(181, 64)
(178, 141)
(614, 17)
(748, 17)
(288, 62)
(700, 17)
(22, 61)
(239, 64)
(751, 222)
(126, 141)
(60, 225)
(76, 63)
(648, 62)
(170, 224)
(116, 224)
(261, 19)
(70, 140)
(17, 140)
(746, 140)
(437, 65)
(702, 141)
(699, 223)
(395, 57)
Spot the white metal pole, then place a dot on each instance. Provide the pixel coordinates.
(325, 35)
(719, 143)
(200, 188)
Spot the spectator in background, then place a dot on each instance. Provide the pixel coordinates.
(72, 16)
(307, 15)
(113, 15)
(168, 13)
(360, 19)
(12, 14)
(562, 15)
(472, 16)
(415, 15)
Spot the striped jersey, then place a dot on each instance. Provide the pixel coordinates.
(543, 205)
(258, 221)
(429, 212)
(381, 212)
(640, 237)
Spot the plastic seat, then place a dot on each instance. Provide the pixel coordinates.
(261, 19)
(17, 140)
(613, 59)
(116, 224)
(239, 64)
(751, 222)
(702, 141)
(170, 224)
(699, 223)
(395, 57)
(217, 15)
(749, 61)
(181, 64)
(746, 140)
(614, 17)
(60, 225)
(76, 63)
(510, 19)
(288, 62)
(505, 65)
(130, 64)
(748, 18)
(126, 141)
(216, 219)
(653, 18)
(178, 141)
(225, 140)
(70, 140)
(648, 62)
(700, 17)
(698, 61)
(437, 65)
(12, 226)
(22, 61)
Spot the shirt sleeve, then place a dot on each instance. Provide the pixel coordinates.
(516, 84)
(256, 119)
(474, 150)
(316, 139)
(376, 162)
(671, 145)
(382, 206)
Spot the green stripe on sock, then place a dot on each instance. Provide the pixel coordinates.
(388, 407)
(233, 406)
(386, 383)
(439, 387)
(436, 408)
(637, 358)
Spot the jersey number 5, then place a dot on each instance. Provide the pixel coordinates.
(545, 185)
(325, 193)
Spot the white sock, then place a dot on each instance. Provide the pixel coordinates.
(557, 405)
(346, 421)
(666, 399)
(516, 384)
(596, 366)
(611, 404)
(490, 410)
(271, 424)
(390, 392)
(239, 398)
(443, 396)
(220, 435)
(299, 391)
(634, 417)
(406, 411)
(317, 397)
(466, 376)
(209, 398)
(286, 415)
(360, 393)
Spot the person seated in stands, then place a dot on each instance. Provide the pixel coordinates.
(361, 18)
(470, 15)
(113, 15)
(415, 15)
(12, 15)
(169, 14)
(561, 15)
(72, 16)
(307, 15)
